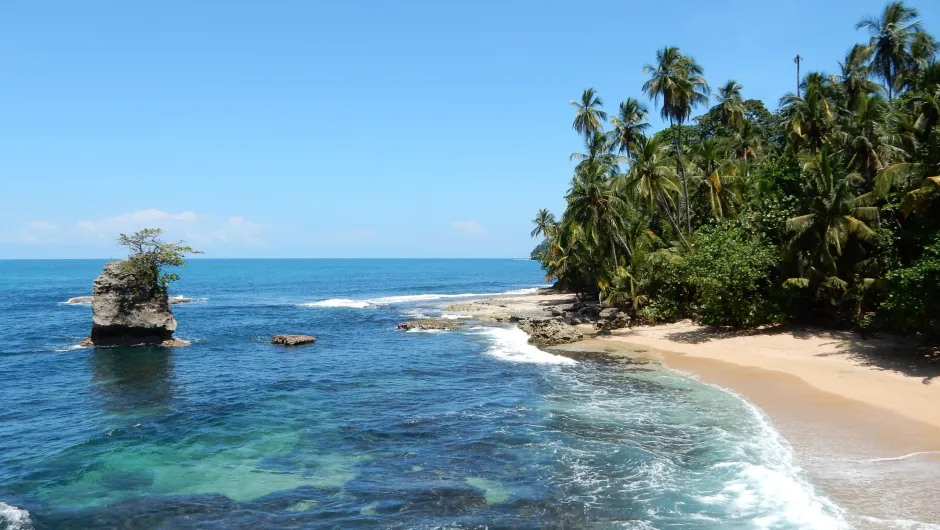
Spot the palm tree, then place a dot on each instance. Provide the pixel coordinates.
(595, 206)
(866, 137)
(891, 36)
(810, 118)
(678, 81)
(854, 78)
(629, 125)
(747, 142)
(730, 104)
(588, 118)
(719, 185)
(835, 217)
(544, 223)
(596, 146)
(652, 180)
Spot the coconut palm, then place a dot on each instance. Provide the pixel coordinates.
(719, 184)
(854, 80)
(730, 104)
(835, 218)
(544, 223)
(588, 116)
(812, 117)
(747, 142)
(628, 126)
(596, 146)
(677, 81)
(866, 137)
(891, 36)
(595, 206)
(652, 181)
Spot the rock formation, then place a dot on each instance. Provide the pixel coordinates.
(293, 340)
(429, 324)
(610, 319)
(549, 331)
(125, 313)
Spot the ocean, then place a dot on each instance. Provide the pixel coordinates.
(370, 427)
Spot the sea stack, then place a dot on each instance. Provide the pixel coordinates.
(125, 313)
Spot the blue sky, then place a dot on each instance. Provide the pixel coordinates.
(343, 129)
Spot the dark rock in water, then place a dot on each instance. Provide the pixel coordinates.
(429, 324)
(179, 300)
(125, 313)
(549, 331)
(293, 340)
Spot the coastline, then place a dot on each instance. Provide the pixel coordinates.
(866, 433)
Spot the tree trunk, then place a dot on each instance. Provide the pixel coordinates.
(685, 181)
(675, 223)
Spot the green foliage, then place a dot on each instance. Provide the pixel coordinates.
(818, 212)
(912, 301)
(729, 271)
(541, 250)
(149, 255)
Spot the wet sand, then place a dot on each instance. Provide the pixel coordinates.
(868, 434)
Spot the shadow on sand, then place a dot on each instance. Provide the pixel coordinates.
(911, 355)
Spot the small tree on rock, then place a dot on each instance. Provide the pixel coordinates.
(149, 255)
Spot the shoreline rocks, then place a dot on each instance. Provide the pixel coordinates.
(549, 331)
(429, 324)
(124, 313)
(169, 343)
(293, 340)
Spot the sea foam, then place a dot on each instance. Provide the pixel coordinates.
(409, 298)
(512, 344)
(776, 485)
(13, 518)
(86, 300)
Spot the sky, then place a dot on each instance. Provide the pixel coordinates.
(344, 129)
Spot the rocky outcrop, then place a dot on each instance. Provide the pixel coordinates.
(430, 324)
(125, 313)
(611, 319)
(293, 340)
(549, 331)
(179, 300)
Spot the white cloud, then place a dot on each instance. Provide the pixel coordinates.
(240, 231)
(196, 229)
(470, 227)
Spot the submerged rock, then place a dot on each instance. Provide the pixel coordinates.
(429, 324)
(293, 340)
(549, 331)
(124, 313)
(179, 300)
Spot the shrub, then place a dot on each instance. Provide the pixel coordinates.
(911, 300)
(149, 255)
(728, 272)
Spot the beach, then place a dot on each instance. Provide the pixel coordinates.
(863, 424)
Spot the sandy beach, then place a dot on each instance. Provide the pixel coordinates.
(862, 417)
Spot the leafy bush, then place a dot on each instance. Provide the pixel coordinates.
(911, 299)
(149, 255)
(540, 251)
(728, 272)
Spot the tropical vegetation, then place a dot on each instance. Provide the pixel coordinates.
(149, 257)
(825, 210)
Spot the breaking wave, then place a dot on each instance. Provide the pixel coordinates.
(411, 298)
(13, 518)
(512, 344)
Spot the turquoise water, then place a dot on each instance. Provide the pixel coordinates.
(370, 427)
